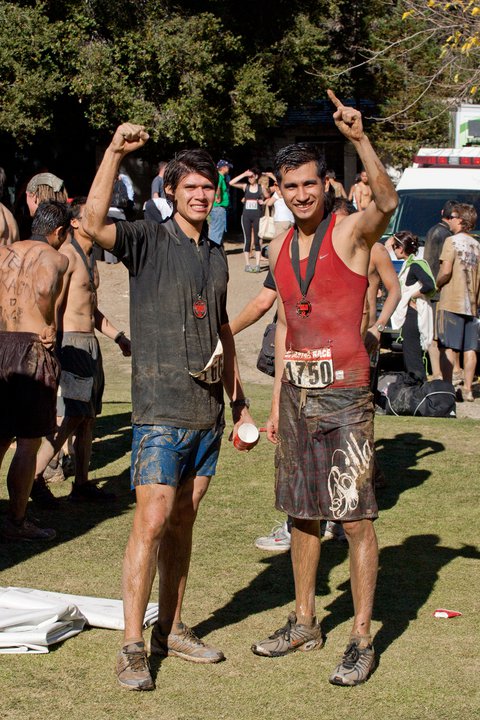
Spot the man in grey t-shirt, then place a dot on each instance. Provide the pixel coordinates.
(183, 357)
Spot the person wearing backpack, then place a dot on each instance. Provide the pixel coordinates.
(413, 313)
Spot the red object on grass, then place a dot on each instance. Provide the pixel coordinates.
(442, 613)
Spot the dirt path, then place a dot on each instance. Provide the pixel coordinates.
(114, 297)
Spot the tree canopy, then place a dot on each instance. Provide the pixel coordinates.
(219, 72)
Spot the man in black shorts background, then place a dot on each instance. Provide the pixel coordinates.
(82, 379)
(31, 275)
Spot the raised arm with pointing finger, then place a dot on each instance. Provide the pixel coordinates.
(369, 225)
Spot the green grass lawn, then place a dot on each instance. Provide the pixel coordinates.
(427, 534)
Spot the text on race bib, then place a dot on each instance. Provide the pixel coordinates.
(213, 370)
(312, 369)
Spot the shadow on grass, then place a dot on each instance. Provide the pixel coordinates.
(406, 577)
(272, 587)
(113, 438)
(398, 458)
(73, 520)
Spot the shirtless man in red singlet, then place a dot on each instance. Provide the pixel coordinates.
(322, 412)
(31, 275)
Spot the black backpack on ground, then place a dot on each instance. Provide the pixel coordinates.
(400, 394)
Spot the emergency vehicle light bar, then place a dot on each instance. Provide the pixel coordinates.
(460, 157)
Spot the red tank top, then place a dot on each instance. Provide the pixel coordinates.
(336, 294)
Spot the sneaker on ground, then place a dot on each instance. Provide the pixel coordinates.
(183, 643)
(334, 530)
(89, 492)
(132, 669)
(53, 474)
(356, 665)
(278, 539)
(68, 465)
(25, 530)
(292, 636)
(42, 495)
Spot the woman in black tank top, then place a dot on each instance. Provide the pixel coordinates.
(253, 200)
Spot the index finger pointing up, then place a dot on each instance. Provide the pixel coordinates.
(334, 99)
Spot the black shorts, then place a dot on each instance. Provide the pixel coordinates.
(29, 375)
(80, 356)
(325, 456)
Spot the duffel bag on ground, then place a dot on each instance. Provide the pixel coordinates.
(406, 396)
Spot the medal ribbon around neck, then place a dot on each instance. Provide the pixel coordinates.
(89, 265)
(304, 307)
(201, 271)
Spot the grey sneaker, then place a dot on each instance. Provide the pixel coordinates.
(132, 669)
(279, 539)
(356, 665)
(184, 644)
(53, 474)
(291, 637)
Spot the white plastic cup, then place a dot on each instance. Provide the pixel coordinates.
(247, 437)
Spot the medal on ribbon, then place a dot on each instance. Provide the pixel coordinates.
(303, 307)
(200, 307)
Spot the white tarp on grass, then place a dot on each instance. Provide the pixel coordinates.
(31, 620)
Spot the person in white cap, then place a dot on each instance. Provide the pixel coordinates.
(43, 187)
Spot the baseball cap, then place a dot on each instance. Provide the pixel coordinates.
(45, 179)
(223, 163)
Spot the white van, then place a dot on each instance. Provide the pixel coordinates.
(437, 175)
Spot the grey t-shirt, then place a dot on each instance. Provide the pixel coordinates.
(168, 340)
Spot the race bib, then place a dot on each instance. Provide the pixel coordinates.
(251, 204)
(312, 369)
(212, 372)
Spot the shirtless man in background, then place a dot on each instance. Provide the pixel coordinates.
(80, 399)
(8, 225)
(31, 276)
(363, 192)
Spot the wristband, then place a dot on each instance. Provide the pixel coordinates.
(244, 402)
(118, 336)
